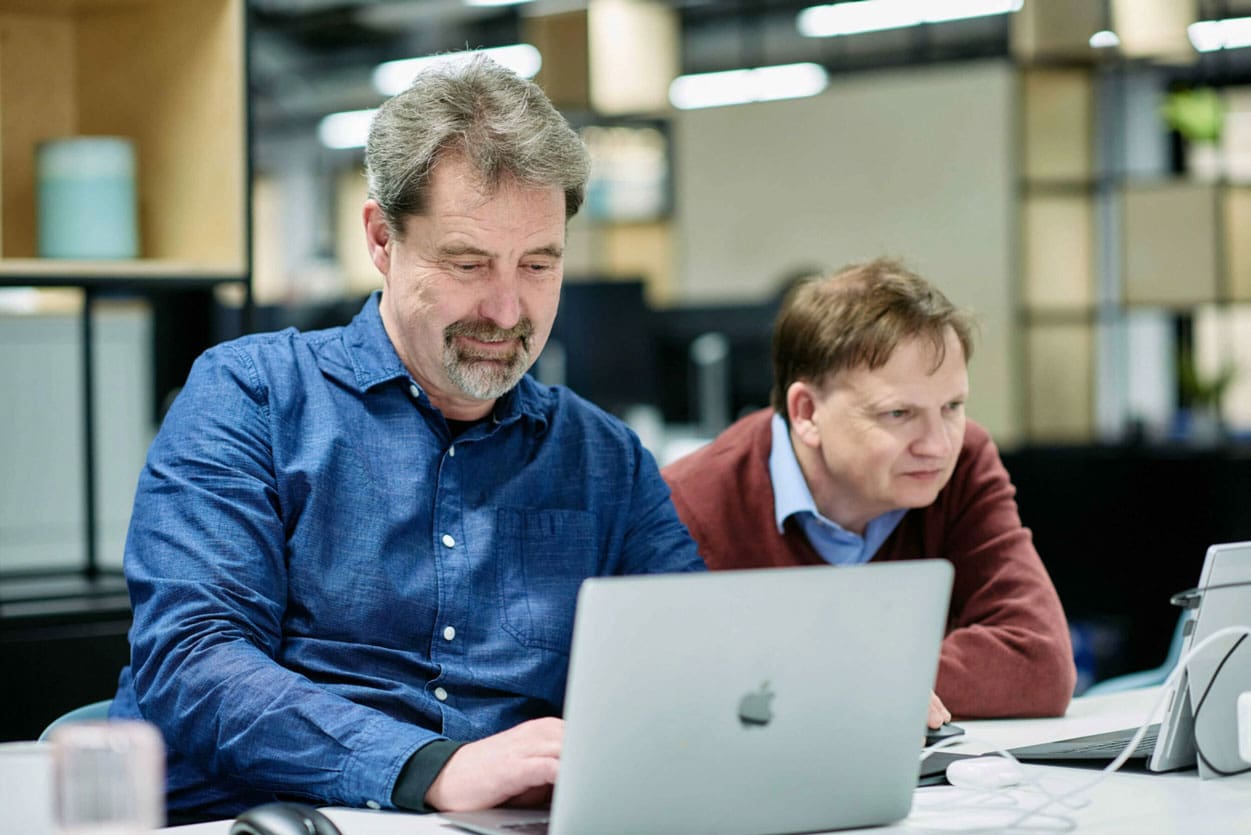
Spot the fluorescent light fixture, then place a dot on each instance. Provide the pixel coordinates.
(717, 89)
(348, 129)
(874, 15)
(1211, 35)
(1106, 39)
(395, 76)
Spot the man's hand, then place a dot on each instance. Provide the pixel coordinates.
(938, 711)
(516, 767)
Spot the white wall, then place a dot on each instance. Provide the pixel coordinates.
(914, 164)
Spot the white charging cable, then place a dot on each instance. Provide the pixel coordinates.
(1073, 798)
(980, 800)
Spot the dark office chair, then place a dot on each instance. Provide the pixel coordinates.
(95, 710)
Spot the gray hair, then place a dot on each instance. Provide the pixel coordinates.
(503, 125)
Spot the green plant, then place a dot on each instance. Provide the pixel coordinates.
(1197, 114)
(1199, 390)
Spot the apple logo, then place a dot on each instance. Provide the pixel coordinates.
(754, 710)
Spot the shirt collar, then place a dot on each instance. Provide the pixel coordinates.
(790, 491)
(791, 495)
(528, 399)
(374, 362)
(369, 349)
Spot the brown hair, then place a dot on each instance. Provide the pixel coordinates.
(855, 318)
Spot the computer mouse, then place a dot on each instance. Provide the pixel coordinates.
(283, 819)
(943, 731)
(984, 773)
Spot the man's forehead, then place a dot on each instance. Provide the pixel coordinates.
(454, 172)
(930, 349)
(457, 209)
(917, 358)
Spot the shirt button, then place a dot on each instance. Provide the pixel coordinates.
(440, 694)
(452, 450)
(449, 541)
(413, 390)
(373, 804)
(449, 633)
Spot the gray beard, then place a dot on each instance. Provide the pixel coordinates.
(479, 378)
(482, 380)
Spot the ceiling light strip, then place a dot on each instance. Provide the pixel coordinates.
(719, 89)
(394, 76)
(1211, 35)
(875, 15)
(348, 129)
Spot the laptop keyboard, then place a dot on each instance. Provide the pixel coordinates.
(527, 828)
(1096, 746)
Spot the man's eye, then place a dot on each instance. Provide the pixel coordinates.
(896, 414)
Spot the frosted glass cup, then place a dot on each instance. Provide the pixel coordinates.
(108, 778)
(87, 198)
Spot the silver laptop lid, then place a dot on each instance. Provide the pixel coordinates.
(1217, 676)
(761, 701)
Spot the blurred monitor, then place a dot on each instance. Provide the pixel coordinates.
(747, 328)
(602, 344)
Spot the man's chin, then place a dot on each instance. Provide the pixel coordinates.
(918, 497)
(481, 384)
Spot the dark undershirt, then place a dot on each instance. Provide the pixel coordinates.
(458, 427)
(419, 772)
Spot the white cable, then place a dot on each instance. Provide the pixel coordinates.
(1064, 798)
(981, 799)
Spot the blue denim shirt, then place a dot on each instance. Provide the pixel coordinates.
(324, 581)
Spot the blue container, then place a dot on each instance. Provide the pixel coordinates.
(86, 197)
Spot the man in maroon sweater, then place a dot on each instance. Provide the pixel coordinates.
(867, 455)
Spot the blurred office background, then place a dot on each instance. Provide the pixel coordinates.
(1078, 172)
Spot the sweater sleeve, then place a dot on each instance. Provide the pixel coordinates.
(1007, 651)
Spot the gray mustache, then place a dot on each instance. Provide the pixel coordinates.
(486, 332)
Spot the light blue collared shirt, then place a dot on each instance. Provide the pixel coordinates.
(791, 497)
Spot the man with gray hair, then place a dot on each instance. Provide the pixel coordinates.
(354, 553)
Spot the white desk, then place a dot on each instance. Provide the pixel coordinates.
(1122, 804)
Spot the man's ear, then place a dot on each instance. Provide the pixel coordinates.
(377, 236)
(801, 407)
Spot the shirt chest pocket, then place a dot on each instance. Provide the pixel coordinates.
(542, 557)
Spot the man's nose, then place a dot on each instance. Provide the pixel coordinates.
(934, 441)
(501, 302)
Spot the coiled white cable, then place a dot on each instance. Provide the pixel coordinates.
(1076, 797)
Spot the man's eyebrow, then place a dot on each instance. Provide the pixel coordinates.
(456, 250)
(459, 250)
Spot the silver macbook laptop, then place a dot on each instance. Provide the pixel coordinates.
(760, 701)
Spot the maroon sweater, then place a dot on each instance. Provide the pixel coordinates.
(1007, 650)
